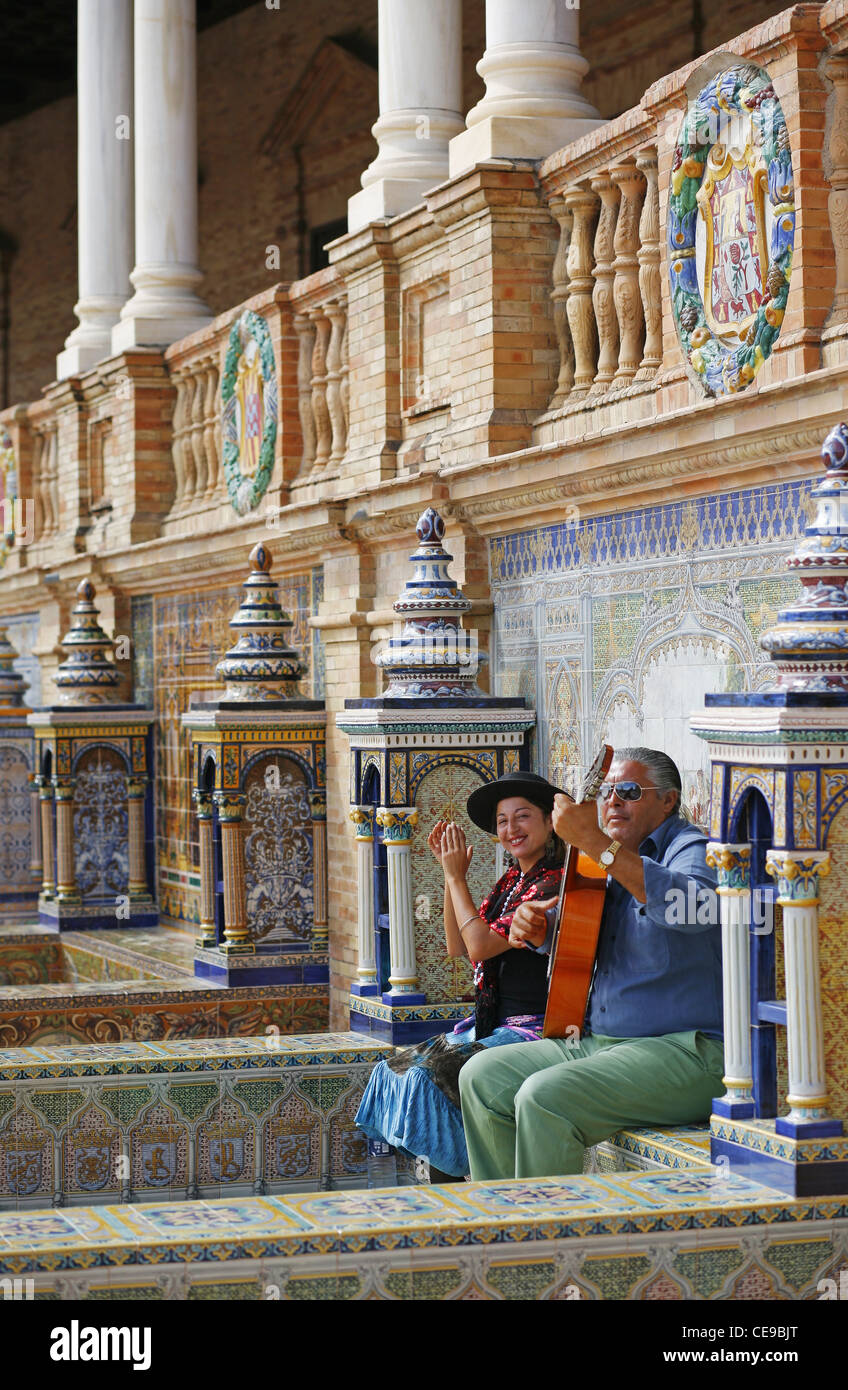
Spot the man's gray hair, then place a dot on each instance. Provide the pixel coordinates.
(663, 769)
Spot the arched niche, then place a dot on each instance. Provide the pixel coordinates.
(441, 795)
(278, 851)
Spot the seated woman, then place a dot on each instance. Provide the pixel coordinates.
(412, 1100)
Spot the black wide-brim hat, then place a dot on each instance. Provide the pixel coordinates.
(482, 804)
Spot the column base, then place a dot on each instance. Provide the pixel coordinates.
(515, 137)
(386, 198)
(733, 1109)
(403, 1024)
(803, 1166)
(148, 330)
(261, 967)
(365, 991)
(67, 914)
(808, 1129)
(76, 360)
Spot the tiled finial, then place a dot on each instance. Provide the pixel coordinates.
(12, 685)
(809, 642)
(433, 655)
(87, 675)
(261, 665)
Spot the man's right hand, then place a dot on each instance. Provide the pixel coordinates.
(529, 924)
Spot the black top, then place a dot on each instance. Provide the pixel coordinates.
(522, 983)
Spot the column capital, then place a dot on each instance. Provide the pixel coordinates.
(203, 804)
(363, 822)
(45, 787)
(797, 873)
(732, 864)
(136, 787)
(230, 805)
(63, 788)
(318, 803)
(398, 823)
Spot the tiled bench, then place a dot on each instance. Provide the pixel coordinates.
(202, 1117)
(651, 1150)
(671, 1235)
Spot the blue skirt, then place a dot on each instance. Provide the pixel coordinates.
(410, 1111)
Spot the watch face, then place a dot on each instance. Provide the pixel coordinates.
(607, 857)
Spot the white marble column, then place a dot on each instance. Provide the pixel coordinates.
(798, 873)
(165, 305)
(104, 179)
(420, 74)
(533, 69)
(366, 970)
(398, 824)
(36, 863)
(733, 866)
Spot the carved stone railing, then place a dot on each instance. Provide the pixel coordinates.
(606, 277)
(320, 323)
(196, 445)
(196, 449)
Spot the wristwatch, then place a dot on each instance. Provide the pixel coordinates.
(609, 853)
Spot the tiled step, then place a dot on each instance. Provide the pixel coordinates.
(652, 1150)
(672, 1235)
(194, 1118)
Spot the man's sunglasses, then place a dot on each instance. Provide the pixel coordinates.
(625, 791)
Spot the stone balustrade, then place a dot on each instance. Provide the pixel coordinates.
(606, 277)
(320, 322)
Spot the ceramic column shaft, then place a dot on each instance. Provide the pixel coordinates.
(36, 860)
(398, 825)
(45, 793)
(65, 877)
(734, 894)
(320, 919)
(135, 808)
(798, 876)
(206, 933)
(362, 817)
(236, 934)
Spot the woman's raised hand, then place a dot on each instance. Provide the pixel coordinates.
(456, 854)
(435, 839)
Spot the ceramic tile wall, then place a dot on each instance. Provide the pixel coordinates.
(197, 1119)
(616, 626)
(177, 642)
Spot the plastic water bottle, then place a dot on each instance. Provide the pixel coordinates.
(382, 1164)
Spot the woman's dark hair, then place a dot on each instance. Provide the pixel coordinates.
(555, 853)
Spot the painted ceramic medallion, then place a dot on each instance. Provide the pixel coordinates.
(731, 228)
(249, 418)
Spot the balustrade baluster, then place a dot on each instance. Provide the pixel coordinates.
(559, 295)
(603, 300)
(323, 434)
(649, 267)
(305, 331)
(628, 301)
(583, 205)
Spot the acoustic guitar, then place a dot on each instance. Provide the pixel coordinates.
(582, 894)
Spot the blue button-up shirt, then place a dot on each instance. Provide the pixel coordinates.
(658, 967)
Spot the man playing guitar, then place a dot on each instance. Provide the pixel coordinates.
(650, 1051)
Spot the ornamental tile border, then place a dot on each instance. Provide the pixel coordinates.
(353, 1222)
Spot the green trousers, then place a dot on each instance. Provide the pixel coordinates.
(530, 1109)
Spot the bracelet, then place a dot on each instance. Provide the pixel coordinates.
(475, 917)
